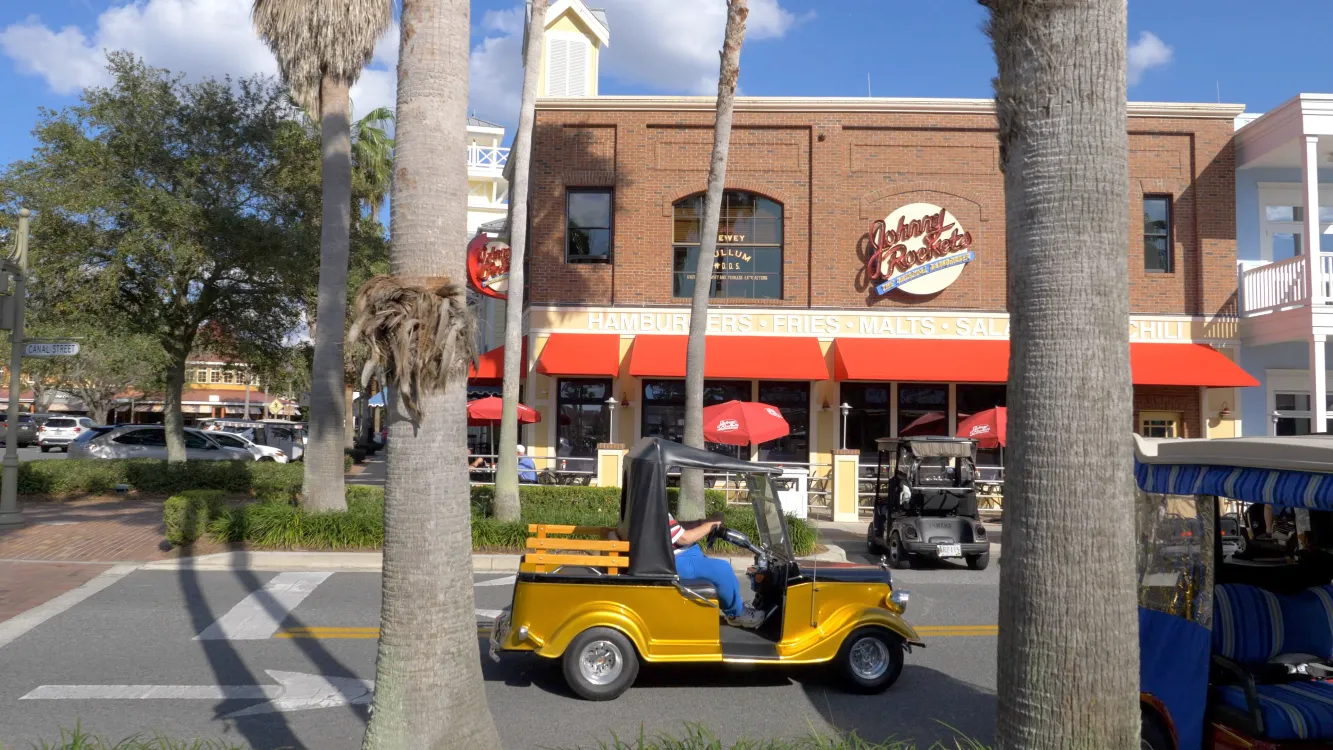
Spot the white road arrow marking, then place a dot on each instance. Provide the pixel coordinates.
(258, 616)
(295, 691)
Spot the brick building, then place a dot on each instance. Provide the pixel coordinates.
(860, 276)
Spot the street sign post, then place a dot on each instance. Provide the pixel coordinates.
(10, 515)
(50, 349)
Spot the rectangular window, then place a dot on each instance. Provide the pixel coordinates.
(1157, 234)
(583, 422)
(793, 400)
(747, 260)
(588, 225)
(664, 409)
(923, 409)
(869, 417)
(229, 377)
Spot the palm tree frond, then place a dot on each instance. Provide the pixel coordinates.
(312, 38)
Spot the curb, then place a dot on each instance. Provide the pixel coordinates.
(372, 562)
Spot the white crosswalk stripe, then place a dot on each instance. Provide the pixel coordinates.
(259, 615)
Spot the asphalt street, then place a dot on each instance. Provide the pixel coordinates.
(218, 643)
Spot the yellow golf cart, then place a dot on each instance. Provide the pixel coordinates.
(603, 599)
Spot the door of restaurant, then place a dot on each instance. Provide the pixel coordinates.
(1160, 424)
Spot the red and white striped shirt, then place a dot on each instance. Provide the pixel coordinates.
(676, 531)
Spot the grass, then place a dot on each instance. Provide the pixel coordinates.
(698, 737)
(76, 739)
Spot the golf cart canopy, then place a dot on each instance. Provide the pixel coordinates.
(929, 447)
(643, 499)
(1282, 471)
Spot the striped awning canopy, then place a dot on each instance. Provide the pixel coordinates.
(1279, 487)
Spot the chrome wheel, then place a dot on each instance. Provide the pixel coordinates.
(601, 662)
(869, 658)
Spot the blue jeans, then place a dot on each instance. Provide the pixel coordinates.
(691, 563)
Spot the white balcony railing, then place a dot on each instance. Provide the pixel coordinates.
(487, 157)
(1274, 286)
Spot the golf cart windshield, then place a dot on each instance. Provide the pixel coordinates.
(768, 515)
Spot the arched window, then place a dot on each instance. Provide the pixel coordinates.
(748, 264)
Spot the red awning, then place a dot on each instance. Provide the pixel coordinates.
(987, 361)
(580, 355)
(490, 367)
(922, 360)
(1185, 364)
(737, 357)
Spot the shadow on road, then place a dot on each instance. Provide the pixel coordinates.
(269, 731)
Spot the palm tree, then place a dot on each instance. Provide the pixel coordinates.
(321, 48)
(428, 687)
(692, 481)
(1060, 106)
(372, 160)
(506, 471)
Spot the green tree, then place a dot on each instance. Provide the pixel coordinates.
(1068, 675)
(692, 481)
(321, 49)
(108, 364)
(161, 209)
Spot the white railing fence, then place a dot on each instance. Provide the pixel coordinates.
(487, 157)
(1326, 276)
(1274, 286)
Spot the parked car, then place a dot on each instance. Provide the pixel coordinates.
(281, 435)
(150, 441)
(59, 432)
(78, 448)
(235, 440)
(27, 429)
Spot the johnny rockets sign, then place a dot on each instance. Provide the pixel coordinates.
(488, 266)
(920, 249)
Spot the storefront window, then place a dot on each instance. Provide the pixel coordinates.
(1292, 415)
(793, 400)
(583, 422)
(869, 419)
(1157, 234)
(748, 260)
(479, 437)
(972, 399)
(923, 409)
(664, 409)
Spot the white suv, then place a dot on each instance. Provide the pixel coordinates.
(59, 432)
(260, 452)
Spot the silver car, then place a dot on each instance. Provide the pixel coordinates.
(150, 441)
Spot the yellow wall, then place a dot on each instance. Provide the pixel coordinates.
(569, 22)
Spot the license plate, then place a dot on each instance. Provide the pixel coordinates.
(499, 632)
(950, 550)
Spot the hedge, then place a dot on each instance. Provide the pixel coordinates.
(188, 515)
(265, 480)
(283, 525)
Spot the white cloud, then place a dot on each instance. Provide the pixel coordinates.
(656, 45)
(198, 38)
(1147, 53)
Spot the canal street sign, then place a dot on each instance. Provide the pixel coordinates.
(51, 349)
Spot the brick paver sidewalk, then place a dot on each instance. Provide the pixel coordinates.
(110, 530)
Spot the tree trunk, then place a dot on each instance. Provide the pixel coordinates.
(172, 416)
(368, 413)
(1060, 105)
(692, 480)
(324, 488)
(429, 693)
(97, 413)
(506, 470)
(349, 423)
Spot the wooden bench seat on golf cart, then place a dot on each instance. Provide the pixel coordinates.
(557, 546)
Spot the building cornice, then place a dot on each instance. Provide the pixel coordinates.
(855, 104)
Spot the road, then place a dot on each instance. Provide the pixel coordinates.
(33, 453)
(144, 629)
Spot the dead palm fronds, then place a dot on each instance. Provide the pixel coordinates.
(315, 39)
(418, 331)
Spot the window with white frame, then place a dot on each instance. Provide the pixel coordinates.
(1282, 220)
(1289, 404)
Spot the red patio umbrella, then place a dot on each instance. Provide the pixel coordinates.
(926, 424)
(743, 423)
(987, 427)
(485, 412)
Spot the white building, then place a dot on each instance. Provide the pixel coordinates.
(1284, 166)
(487, 189)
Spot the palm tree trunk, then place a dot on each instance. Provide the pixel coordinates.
(349, 424)
(506, 470)
(324, 487)
(1060, 104)
(692, 480)
(173, 419)
(428, 688)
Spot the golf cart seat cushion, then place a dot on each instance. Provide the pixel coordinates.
(701, 586)
(1247, 623)
(1309, 622)
(1291, 711)
(939, 500)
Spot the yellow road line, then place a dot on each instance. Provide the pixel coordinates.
(347, 633)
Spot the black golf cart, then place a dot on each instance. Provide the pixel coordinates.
(926, 502)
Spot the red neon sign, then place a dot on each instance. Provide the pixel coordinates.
(488, 266)
(889, 253)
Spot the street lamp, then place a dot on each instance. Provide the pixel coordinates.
(611, 404)
(17, 265)
(846, 409)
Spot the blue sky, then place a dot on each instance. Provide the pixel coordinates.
(1256, 53)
